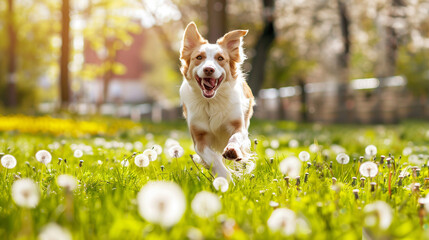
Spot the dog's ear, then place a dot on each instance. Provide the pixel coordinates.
(233, 41)
(191, 39)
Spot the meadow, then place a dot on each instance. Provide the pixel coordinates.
(308, 183)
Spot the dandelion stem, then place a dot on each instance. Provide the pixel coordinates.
(200, 169)
(390, 185)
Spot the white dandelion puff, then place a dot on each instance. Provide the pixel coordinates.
(270, 152)
(157, 148)
(99, 162)
(220, 183)
(196, 158)
(129, 146)
(380, 212)
(283, 220)
(304, 156)
(206, 204)
(152, 155)
(78, 153)
(407, 151)
(175, 151)
(293, 143)
(290, 166)
(25, 193)
(371, 150)
(138, 145)
(343, 158)
(170, 143)
(53, 231)
(44, 156)
(125, 163)
(68, 182)
(141, 160)
(337, 149)
(368, 169)
(275, 144)
(8, 161)
(161, 202)
(314, 148)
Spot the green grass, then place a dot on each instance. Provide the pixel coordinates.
(104, 205)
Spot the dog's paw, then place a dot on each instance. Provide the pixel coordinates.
(232, 152)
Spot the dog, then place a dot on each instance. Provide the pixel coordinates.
(217, 102)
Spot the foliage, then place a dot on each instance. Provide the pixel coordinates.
(104, 204)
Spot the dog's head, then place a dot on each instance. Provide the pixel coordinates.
(206, 65)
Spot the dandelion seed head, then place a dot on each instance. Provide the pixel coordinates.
(99, 162)
(283, 220)
(290, 166)
(371, 150)
(53, 231)
(170, 142)
(220, 183)
(25, 193)
(161, 202)
(206, 204)
(78, 153)
(67, 182)
(196, 158)
(270, 152)
(151, 154)
(368, 169)
(43, 156)
(293, 143)
(141, 160)
(125, 163)
(175, 151)
(275, 144)
(380, 212)
(8, 161)
(138, 145)
(157, 148)
(343, 158)
(314, 148)
(304, 156)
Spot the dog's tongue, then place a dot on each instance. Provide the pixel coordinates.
(210, 81)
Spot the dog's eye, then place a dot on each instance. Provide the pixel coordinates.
(220, 58)
(199, 57)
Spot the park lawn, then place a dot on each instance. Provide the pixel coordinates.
(104, 205)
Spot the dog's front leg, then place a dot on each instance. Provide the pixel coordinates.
(210, 158)
(238, 146)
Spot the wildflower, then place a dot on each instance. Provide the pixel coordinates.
(343, 158)
(129, 146)
(356, 193)
(304, 156)
(206, 204)
(44, 156)
(78, 153)
(25, 193)
(196, 158)
(161, 202)
(314, 148)
(221, 183)
(270, 152)
(378, 211)
(68, 182)
(8, 161)
(337, 149)
(170, 143)
(293, 143)
(275, 144)
(141, 160)
(194, 234)
(284, 220)
(138, 145)
(175, 151)
(125, 163)
(290, 166)
(53, 231)
(274, 204)
(150, 154)
(368, 169)
(157, 148)
(99, 162)
(407, 151)
(371, 150)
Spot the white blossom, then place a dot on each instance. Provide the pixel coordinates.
(67, 182)
(125, 163)
(141, 160)
(150, 154)
(368, 169)
(304, 156)
(371, 150)
(220, 183)
(380, 212)
(343, 158)
(78, 153)
(25, 193)
(8, 161)
(291, 167)
(206, 204)
(53, 231)
(284, 220)
(175, 151)
(44, 156)
(161, 202)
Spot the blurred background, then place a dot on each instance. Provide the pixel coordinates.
(363, 61)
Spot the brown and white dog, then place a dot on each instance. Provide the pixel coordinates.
(217, 102)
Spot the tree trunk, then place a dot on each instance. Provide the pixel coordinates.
(11, 100)
(257, 73)
(216, 12)
(65, 54)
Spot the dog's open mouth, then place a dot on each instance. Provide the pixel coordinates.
(209, 85)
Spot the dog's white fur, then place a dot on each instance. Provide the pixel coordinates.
(218, 119)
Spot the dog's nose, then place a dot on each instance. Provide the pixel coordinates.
(209, 71)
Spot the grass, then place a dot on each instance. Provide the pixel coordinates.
(104, 205)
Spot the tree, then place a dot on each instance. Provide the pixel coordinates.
(262, 48)
(65, 54)
(11, 100)
(216, 19)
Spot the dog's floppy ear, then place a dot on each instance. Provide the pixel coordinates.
(232, 41)
(191, 39)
